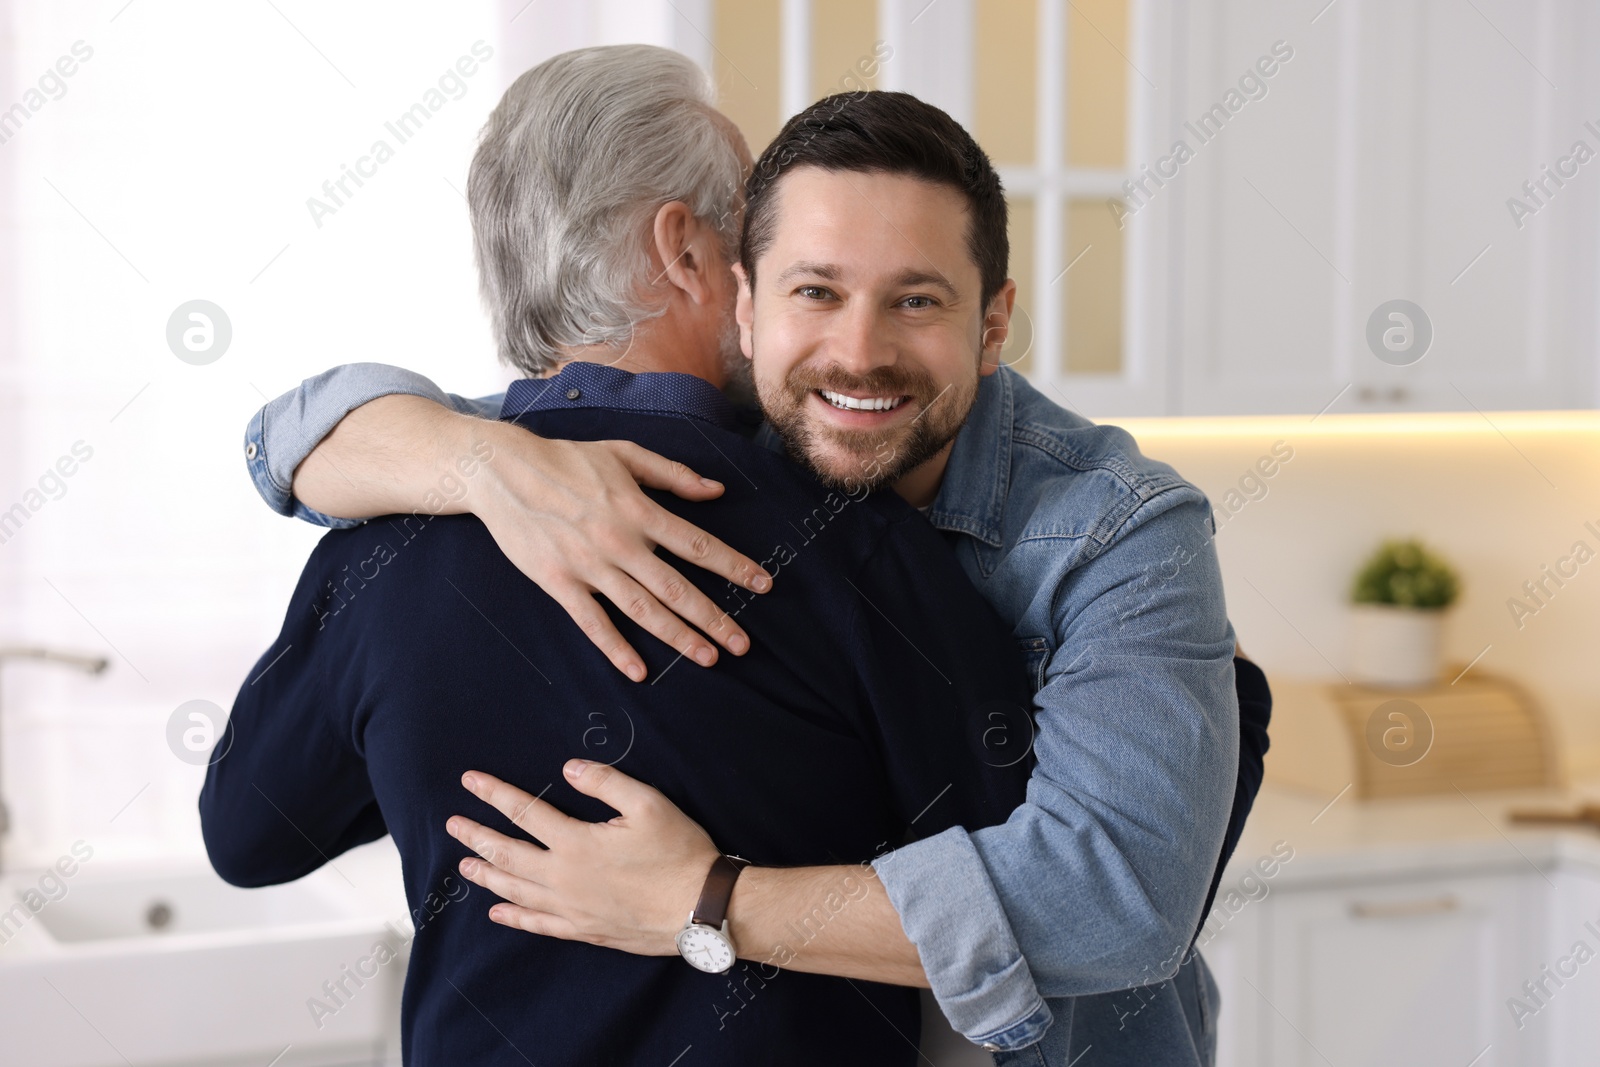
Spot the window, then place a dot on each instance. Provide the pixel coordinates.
(176, 163)
(1044, 86)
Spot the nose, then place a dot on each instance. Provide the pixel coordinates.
(863, 341)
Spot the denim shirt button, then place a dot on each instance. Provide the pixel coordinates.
(250, 450)
(989, 1046)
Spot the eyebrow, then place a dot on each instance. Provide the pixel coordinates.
(906, 278)
(912, 278)
(826, 271)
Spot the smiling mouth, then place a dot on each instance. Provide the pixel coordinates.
(861, 403)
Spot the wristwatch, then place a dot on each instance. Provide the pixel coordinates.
(704, 940)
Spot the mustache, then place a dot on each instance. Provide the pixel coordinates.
(880, 381)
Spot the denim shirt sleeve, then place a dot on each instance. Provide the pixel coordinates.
(285, 431)
(1096, 882)
(951, 910)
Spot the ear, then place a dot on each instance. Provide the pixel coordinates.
(683, 246)
(744, 312)
(997, 327)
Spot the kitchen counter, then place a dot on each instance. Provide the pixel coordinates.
(1343, 840)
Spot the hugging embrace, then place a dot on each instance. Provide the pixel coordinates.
(961, 729)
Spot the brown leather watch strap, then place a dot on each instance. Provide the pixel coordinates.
(712, 907)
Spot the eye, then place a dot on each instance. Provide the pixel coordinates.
(917, 302)
(814, 292)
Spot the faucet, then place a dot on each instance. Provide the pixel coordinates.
(86, 664)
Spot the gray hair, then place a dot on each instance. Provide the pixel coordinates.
(570, 170)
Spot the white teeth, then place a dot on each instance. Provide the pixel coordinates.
(871, 403)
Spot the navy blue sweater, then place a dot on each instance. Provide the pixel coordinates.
(866, 712)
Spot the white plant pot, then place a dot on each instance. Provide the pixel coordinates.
(1394, 646)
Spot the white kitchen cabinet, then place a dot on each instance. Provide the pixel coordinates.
(1379, 166)
(1570, 1016)
(1415, 971)
(1411, 973)
(1234, 955)
(1405, 932)
(1418, 972)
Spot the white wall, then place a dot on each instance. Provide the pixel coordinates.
(1500, 496)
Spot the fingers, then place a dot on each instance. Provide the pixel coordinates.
(677, 594)
(520, 858)
(629, 796)
(639, 605)
(658, 472)
(522, 891)
(611, 553)
(643, 604)
(678, 536)
(688, 542)
(581, 606)
(525, 810)
(534, 922)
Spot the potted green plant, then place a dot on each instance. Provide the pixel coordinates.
(1399, 600)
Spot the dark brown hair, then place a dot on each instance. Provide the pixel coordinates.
(890, 133)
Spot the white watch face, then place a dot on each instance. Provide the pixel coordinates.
(706, 949)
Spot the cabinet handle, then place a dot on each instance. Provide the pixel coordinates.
(1403, 909)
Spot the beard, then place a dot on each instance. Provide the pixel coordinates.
(863, 460)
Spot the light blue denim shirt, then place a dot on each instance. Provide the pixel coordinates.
(1067, 927)
(284, 432)
(1104, 560)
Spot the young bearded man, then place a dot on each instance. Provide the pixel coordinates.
(872, 303)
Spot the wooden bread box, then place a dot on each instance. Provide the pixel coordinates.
(1477, 733)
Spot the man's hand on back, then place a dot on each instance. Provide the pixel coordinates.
(571, 516)
(568, 514)
(630, 883)
(626, 884)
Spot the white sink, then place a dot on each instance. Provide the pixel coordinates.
(158, 967)
(171, 906)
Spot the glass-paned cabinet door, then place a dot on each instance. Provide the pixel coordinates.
(1062, 95)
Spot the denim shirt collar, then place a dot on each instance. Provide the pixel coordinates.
(972, 496)
(594, 385)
